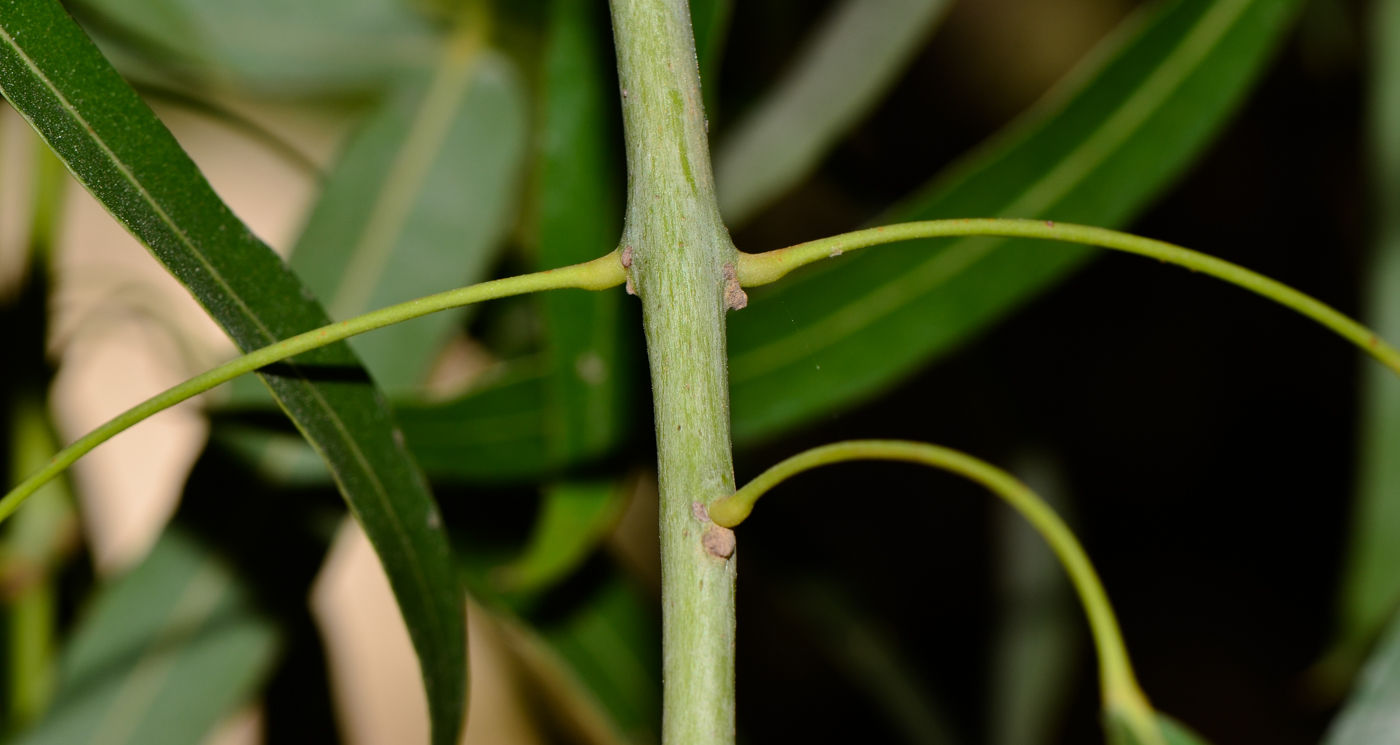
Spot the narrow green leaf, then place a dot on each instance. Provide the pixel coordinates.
(842, 71)
(419, 204)
(599, 664)
(580, 218)
(280, 458)
(1036, 645)
(709, 20)
(1097, 153)
(1371, 585)
(873, 662)
(287, 47)
(35, 544)
(496, 433)
(1371, 715)
(1173, 732)
(121, 153)
(574, 518)
(161, 656)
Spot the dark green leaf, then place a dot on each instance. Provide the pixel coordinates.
(418, 204)
(574, 518)
(710, 21)
(121, 153)
(289, 47)
(494, 433)
(161, 656)
(599, 664)
(580, 219)
(842, 71)
(1039, 635)
(1371, 586)
(1371, 715)
(1096, 154)
(872, 661)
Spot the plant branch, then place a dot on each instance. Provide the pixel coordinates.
(1123, 698)
(599, 274)
(760, 269)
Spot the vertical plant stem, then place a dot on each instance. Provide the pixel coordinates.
(682, 266)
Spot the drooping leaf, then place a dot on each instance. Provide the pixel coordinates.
(575, 516)
(578, 192)
(843, 70)
(495, 433)
(36, 542)
(1038, 638)
(1371, 715)
(418, 204)
(598, 664)
(1097, 154)
(873, 662)
(287, 47)
(709, 20)
(1371, 585)
(126, 158)
(161, 656)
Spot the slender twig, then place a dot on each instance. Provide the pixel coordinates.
(760, 269)
(1122, 696)
(598, 274)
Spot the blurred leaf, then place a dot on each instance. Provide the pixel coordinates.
(842, 71)
(117, 148)
(1371, 585)
(574, 519)
(494, 433)
(280, 458)
(419, 204)
(599, 664)
(1097, 153)
(36, 541)
(709, 20)
(1037, 642)
(1371, 715)
(1173, 732)
(161, 656)
(873, 662)
(580, 219)
(286, 47)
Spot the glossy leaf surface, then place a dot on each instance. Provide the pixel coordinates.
(842, 71)
(1371, 586)
(121, 153)
(161, 656)
(277, 46)
(1097, 154)
(418, 204)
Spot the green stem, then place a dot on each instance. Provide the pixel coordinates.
(599, 274)
(760, 269)
(683, 269)
(1123, 698)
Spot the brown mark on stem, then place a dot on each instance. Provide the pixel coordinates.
(718, 541)
(734, 296)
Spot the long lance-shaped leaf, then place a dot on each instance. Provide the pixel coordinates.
(121, 153)
(580, 217)
(841, 72)
(1096, 154)
(1371, 587)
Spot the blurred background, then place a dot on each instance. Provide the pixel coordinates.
(1203, 442)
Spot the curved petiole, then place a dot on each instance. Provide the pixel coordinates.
(599, 274)
(1124, 702)
(760, 269)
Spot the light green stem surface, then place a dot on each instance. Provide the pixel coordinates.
(1123, 698)
(760, 269)
(682, 268)
(598, 274)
